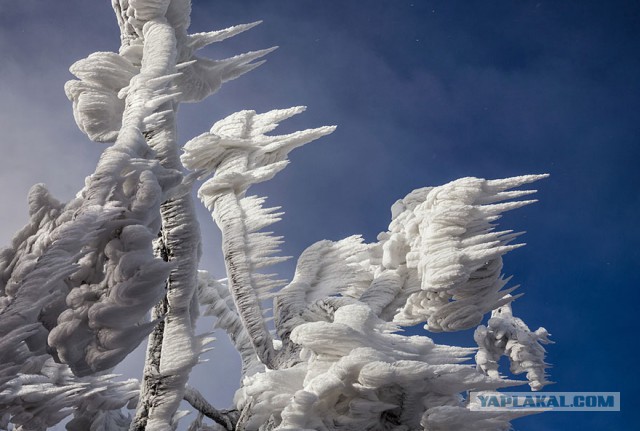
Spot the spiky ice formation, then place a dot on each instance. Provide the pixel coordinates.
(355, 373)
(86, 270)
(36, 393)
(340, 366)
(240, 153)
(510, 336)
(447, 234)
(105, 79)
(215, 296)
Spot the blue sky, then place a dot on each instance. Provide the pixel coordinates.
(423, 92)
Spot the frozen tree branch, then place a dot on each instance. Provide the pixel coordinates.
(510, 336)
(226, 418)
(240, 153)
(217, 298)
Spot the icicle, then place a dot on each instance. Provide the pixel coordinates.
(203, 77)
(200, 40)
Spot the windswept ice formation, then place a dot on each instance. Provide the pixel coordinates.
(83, 275)
(215, 296)
(36, 392)
(79, 280)
(240, 153)
(356, 374)
(86, 270)
(510, 336)
(335, 361)
(449, 239)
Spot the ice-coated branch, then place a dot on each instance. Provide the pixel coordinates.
(215, 296)
(83, 276)
(241, 154)
(510, 336)
(226, 418)
(149, 106)
(448, 235)
(354, 373)
(140, 88)
(341, 366)
(325, 269)
(85, 271)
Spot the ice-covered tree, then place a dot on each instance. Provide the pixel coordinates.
(85, 282)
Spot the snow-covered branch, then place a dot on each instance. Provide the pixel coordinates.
(240, 153)
(510, 336)
(78, 282)
(227, 419)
